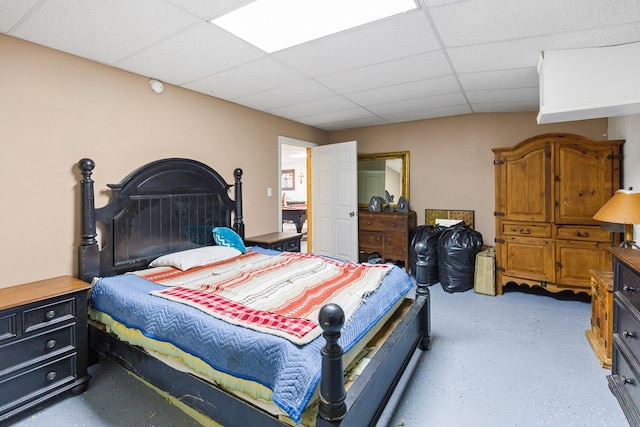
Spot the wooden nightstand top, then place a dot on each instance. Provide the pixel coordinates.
(272, 238)
(14, 296)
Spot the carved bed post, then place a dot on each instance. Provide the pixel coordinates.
(238, 224)
(332, 392)
(422, 291)
(88, 251)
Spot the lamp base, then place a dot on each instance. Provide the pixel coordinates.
(629, 244)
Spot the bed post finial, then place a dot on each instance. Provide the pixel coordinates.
(332, 392)
(238, 224)
(88, 252)
(422, 291)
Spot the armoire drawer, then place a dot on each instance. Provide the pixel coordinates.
(527, 229)
(574, 232)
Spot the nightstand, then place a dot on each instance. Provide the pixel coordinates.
(283, 242)
(43, 342)
(600, 334)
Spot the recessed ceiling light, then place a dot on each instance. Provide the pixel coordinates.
(273, 25)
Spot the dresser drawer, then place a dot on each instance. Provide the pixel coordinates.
(7, 327)
(574, 232)
(35, 348)
(46, 315)
(395, 244)
(628, 329)
(40, 379)
(528, 229)
(382, 222)
(629, 285)
(627, 377)
(370, 240)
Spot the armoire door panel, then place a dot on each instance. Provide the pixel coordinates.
(529, 258)
(584, 182)
(527, 183)
(573, 256)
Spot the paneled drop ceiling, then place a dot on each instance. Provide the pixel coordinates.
(448, 57)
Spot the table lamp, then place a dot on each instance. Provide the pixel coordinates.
(622, 208)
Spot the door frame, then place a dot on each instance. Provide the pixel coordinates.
(285, 140)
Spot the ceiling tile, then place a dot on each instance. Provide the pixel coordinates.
(397, 37)
(12, 11)
(420, 104)
(208, 9)
(296, 93)
(503, 95)
(525, 53)
(197, 52)
(408, 69)
(102, 31)
(338, 116)
(501, 79)
(483, 21)
(318, 106)
(257, 76)
(419, 89)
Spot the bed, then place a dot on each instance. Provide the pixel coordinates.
(171, 206)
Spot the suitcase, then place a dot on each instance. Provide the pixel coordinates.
(485, 274)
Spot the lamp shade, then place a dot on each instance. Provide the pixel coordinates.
(622, 208)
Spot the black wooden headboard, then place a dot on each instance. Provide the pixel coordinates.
(162, 207)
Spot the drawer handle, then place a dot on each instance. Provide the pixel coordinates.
(393, 224)
(50, 314)
(581, 234)
(628, 288)
(628, 334)
(51, 343)
(527, 231)
(369, 223)
(51, 376)
(626, 380)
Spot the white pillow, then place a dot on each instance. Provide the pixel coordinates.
(190, 258)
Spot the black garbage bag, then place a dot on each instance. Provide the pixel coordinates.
(429, 235)
(457, 249)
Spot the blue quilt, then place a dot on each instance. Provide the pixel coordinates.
(290, 371)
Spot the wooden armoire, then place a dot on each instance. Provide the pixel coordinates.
(547, 190)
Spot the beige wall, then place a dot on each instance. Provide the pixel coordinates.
(451, 158)
(56, 109)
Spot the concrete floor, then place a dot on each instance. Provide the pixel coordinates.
(515, 360)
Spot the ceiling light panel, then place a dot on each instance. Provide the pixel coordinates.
(273, 25)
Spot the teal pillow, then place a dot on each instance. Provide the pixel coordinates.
(224, 236)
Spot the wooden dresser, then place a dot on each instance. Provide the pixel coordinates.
(547, 190)
(624, 380)
(388, 233)
(43, 342)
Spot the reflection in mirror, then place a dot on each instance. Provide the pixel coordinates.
(382, 172)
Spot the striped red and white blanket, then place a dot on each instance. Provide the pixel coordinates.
(280, 295)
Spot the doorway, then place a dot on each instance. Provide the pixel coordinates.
(295, 188)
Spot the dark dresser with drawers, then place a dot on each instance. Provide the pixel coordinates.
(624, 380)
(43, 342)
(283, 242)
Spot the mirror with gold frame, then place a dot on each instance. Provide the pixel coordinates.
(378, 172)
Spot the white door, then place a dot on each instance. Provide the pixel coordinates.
(334, 199)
